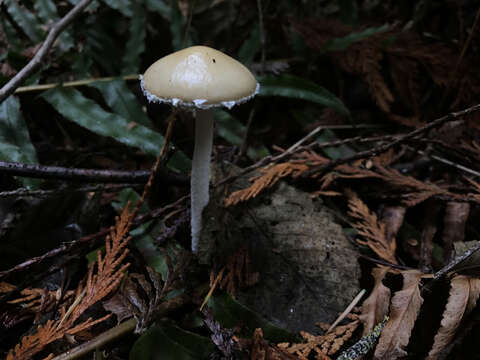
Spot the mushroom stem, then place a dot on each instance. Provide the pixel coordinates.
(200, 179)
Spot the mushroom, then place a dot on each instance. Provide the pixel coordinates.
(199, 78)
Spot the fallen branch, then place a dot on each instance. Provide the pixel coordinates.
(88, 175)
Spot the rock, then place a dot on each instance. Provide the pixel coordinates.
(308, 268)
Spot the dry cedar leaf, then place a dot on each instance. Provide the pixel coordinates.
(404, 311)
(371, 229)
(322, 345)
(260, 349)
(6, 287)
(102, 278)
(364, 58)
(423, 191)
(237, 273)
(463, 297)
(269, 177)
(375, 307)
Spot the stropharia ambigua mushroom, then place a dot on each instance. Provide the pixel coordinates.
(199, 78)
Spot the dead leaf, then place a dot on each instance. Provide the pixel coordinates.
(375, 307)
(463, 297)
(404, 311)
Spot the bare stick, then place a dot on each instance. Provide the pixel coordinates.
(347, 310)
(75, 83)
(160, 158)
(86, 175)
(23, 192)
(37, 60)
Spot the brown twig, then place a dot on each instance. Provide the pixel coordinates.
(160, 159)
(39, 57)
(23, 192)
(86, 175)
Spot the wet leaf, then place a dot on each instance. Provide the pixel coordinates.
(142, 235)
(46, 10)
(122, 101)
(230, 313)
(297, 88)
(86, 113)
(167, 342)
(26, 20)
(136, 41)
(15, 144)
(250, 47)
(160, 7)
(177, 27)
(123, 6)
(232, 130)
(340, 44)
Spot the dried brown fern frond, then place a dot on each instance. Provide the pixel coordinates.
(270, 176)
(102, 278)
(371, 229)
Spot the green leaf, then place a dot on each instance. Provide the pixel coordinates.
(340, 44)
(15, 144)
(102, 46)
(26, 20)
(334, 152)
(178, 25)
(123, 6)
(297, 88)
(86, 113)
(160, 7)
(142, 235)
(15, 44)
(168, 342)
(122, 101)
(136, 41)
(46, 10)
(232, 130)
(229, 313)
(250, 47)
(91, 8)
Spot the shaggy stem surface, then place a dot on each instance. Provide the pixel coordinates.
(200, 180)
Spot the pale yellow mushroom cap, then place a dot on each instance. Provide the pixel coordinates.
(199, 76)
